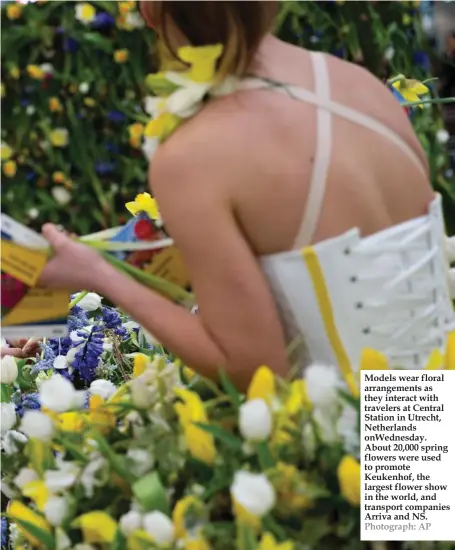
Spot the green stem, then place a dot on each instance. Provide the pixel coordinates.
(77, 299)
(428, 101)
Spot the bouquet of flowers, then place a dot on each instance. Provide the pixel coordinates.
(109, 443)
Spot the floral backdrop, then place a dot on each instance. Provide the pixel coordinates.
(74, 76)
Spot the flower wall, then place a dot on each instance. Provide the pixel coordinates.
(73, 80)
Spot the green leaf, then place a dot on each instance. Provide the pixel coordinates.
(119, 542)
(99, 41)
(151, 494)
(230, 389)
(265, 457)
(117, 462)
(218, 433)
(160, 85)
(7, 392)
(246, 538)
(46, 539)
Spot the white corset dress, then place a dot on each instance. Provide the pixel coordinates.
(389, 291)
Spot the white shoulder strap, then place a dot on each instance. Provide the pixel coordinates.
(323, 153)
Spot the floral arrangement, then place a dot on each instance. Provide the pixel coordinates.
(109, 443)
(75, 79)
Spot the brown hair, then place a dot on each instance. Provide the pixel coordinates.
(238, 25)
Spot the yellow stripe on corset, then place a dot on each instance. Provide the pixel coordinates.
(325, 307)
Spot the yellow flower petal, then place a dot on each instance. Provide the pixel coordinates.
(373, 360)
(245, 517)
(268, 542)
(38, 492)
(262, 385)
(450, 351)
(144, 203)
(96, 527)
(202, 60)
(19, 511)
(162, 126)
(140, 363)
(298, 398)
(185, 506)
(435, 361)
(349, 479)
(70, 422)
(139, 540)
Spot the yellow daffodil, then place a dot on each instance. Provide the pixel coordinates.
(55, 105)
(14, 11)
(262, 386)
(136, 130)
(101, 415)
(6, 151)
(373, 360)
(144, 203)
(162, 126)
(38, 492)
(97, 527)
(349, 479)
(35, 72)
(298, 398)
(59, 137)
(70, 422)
(450, 351)
(15, 72)
(196, 544)
(188, 507)
(19, 511)
(202, 60)
(139, 540)
(140, 364)
(58, 177)
(268, 542)
(411, 90)
(244, 517)
(200, 443)
(291, 487)
(167, 60)
(10, 169)
(89, 101)
(435, 361)
(121, 56)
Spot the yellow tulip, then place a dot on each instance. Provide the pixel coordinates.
(144, 203)
(196, 544)
(268, 542)
(373, 360)
(244, 517)
(38, 492)
(200, 444)
(140, 364)
(10, 169)
(100, 416)
(262, 386)
(96, 527)
(290, 487)
(435, 361)
(14, 11)
(450, 351)
(349, 479)
(202, 61)
(70, 422)
(188, 506)
(19, 511)
(139, 540)
(298, 398)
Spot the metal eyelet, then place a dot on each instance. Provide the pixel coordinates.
(359, 305)
(347, 251)
(353, 279)
(366, 330)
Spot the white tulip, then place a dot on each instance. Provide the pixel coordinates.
(7, 416)
(253, 492)
(58, 394)
(60, 362)
(9, 441)
(159, 527)
(71, 355)
(130, 522)
(450, 248)
(142, 461)
(58, 480)
(61, 195)
(37, 425)
(90, 302)
(56, 510)
(322, 385)
(103, 388)
(84, 87)
(389, 54)
(33, 213)
(9, 370)
(255, 420)
(153, 106)
(25, 475)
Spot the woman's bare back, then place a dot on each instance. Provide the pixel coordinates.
(371, 184)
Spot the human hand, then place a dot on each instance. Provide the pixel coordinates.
(74, 266)
(23, 348)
